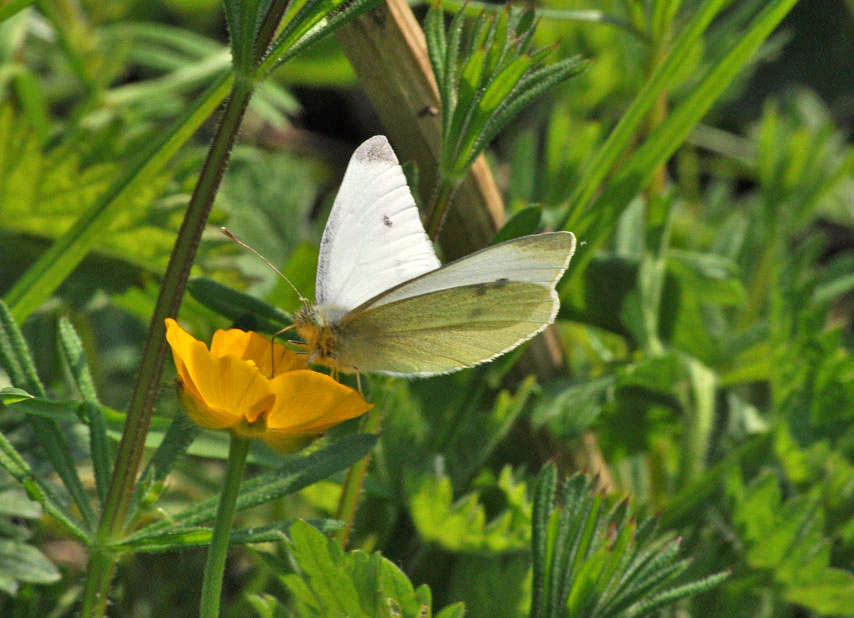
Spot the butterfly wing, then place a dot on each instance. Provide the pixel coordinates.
(374, 239)
(538, 258)
(465, 313)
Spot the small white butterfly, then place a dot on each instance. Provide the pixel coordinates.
(385, 304)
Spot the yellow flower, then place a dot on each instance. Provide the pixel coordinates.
(243, 385)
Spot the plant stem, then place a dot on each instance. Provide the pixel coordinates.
(150, 370)
(129, 455)
(352, 487)
(438, 209)
(215, 567)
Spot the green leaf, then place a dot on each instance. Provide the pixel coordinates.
(238, 306)
(43, 277)
(15, 503)
(830, 595)
(13, 6)
(38, 490)
(17, 360)
(684, 505)
(568, 407)
(524, 222)
(784, 539)
(15, 355)
(544, 496)
(354, 584)
(596, 564)
(434, 32)
(268, 606)
(178, 438)
(461, 525)
(468, 93)
(24, 563)
(243, 18)
(528, 90)
(72, 350)
(457, 610)
(307, 24)
(299, 472)
(51, 409)
(186, 537)
(32, 101)
(10, 395)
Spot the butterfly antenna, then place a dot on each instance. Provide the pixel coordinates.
(234, 238)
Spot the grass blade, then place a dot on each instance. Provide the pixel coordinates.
(620, 138)
(594, 224)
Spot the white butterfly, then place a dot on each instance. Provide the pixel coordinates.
(385, 304)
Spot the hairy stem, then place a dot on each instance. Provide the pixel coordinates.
(438, 209)
(150, 370)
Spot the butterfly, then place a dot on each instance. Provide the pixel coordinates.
(384, 302)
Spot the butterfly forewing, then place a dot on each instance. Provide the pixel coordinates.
(374, 238)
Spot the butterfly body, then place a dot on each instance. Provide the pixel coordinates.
(387, 305)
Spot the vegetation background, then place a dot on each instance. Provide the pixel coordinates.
(706, 322)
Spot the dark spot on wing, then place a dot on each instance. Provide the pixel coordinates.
(500, 283)
(428, 110)
(386, 221)
(475, 313)
(375, 150)
(480, 289)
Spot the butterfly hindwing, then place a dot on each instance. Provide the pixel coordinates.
(420, 336)
(462, 314)
(539, 258)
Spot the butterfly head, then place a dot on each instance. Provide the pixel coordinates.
(317, 325)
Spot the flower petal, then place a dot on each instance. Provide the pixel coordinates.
(311, 402)
(181, 343)
(233, 341)
(271, 358)
(231, 386)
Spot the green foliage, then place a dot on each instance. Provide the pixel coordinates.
(176, 532)
(783, 544)
(330, 582)
(706, 365)
(20, 561)
(461, 526)
(589, 562)
(486, 81)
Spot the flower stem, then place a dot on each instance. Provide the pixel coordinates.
(215, 567)
(352, 487)
(438, 209)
